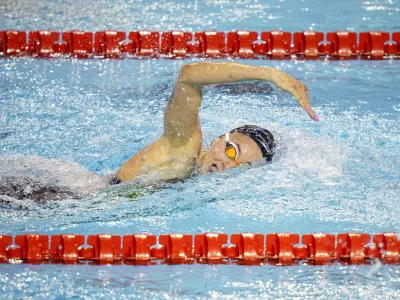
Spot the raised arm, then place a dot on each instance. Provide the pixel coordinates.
(172, 156)
(181, 116)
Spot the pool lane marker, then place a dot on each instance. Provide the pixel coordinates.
(207, 248)
(243, 44)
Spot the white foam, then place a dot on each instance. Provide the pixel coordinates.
(24, 176)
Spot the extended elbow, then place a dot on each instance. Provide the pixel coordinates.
(187, 72)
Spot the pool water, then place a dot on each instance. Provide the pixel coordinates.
(66, 124)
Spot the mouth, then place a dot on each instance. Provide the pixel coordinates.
(210, 169)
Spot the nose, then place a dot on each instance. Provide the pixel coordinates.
(219, 165)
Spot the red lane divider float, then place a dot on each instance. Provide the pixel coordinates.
(244, 44)
(216, 248)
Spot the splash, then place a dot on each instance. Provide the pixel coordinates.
(40, 179)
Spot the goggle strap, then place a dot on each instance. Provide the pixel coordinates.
(227, 142)
(227, 137)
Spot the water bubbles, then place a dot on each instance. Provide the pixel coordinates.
(334, 177)
(374, 268)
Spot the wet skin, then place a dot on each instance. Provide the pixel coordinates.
(177, 152)
(215, 159)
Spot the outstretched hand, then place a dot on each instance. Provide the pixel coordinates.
(300, 92)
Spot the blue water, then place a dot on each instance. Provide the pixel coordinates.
(62, 121)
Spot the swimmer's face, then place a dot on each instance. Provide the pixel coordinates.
(215, 159)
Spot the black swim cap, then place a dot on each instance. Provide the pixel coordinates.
(263, 138)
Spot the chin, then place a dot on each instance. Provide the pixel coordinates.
(206, 170)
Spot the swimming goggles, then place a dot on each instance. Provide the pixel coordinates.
(231, 149)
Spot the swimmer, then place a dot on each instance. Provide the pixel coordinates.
(175, 155)
(178, 152)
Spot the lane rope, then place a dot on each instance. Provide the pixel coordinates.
(243, 44)
(214, 248)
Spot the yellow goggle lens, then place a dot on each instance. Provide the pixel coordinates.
(230, 152)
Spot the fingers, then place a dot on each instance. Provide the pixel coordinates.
(307, 106)
(309, 110)
(302, 99)
(311, 113)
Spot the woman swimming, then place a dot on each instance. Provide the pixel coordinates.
(176, 154)
(178, 151)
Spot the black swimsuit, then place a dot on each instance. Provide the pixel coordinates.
(114, 180)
